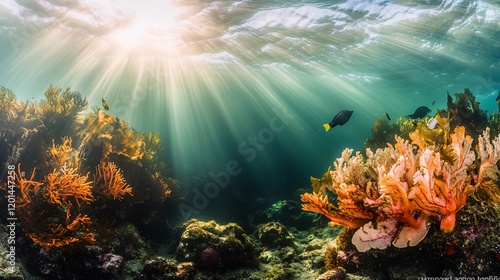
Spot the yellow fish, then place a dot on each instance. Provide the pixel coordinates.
(105, 105)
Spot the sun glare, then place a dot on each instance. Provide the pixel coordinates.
(151, 24)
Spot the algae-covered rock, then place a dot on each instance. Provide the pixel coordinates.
(161, 268)
(211, 246)
(274, 235)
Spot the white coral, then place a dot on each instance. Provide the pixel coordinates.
(489, 154)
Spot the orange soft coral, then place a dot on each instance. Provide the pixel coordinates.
(109, 181)
(318, 203)
(27, 188)
(63, 154)
(406, 185)
(350, 182)
(65, 235)
(67, 184)
(441, 188)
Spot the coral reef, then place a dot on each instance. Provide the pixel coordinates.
(92, 197)
(54, 229)
(395, 193)
(76, 177)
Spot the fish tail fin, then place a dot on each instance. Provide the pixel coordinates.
(326, 126)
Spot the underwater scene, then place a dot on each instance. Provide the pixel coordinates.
(250, 139)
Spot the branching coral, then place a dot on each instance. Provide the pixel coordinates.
(63, 102)
(114, 136)
(67, 184)
(53, 203)
(28, 188)
(440, 187)
(347, 177)
(165, 183)
(489, 153)
(63, 154)
(109, 181)
(65, 235)
(8, 104)
(44, 228)
(396, 191)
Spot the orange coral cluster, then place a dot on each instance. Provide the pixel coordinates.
(401, 188)
(66, 184)
(109, 181)
(115, 136)
(59, 188)
(318, 203)
(27, 188)
(61, 236)
(63, 154)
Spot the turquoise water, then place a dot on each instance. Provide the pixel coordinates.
(239, 90)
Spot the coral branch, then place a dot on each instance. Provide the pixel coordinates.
(61, 236)
(63, 154)
(318, 203)
(66, 184)
(27, 188)
(109, 181)
(489, 154)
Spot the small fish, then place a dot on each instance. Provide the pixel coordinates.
(105, 105)
(340, 119)
(387, 115)
(433, 102)
(432, 123)
(420, 112)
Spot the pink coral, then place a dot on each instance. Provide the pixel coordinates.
(392, 194)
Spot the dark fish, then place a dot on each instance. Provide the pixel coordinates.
(498, 96)
(387, 115)
(105, 105)
(421, 112)
(340, 119)
(433, 102)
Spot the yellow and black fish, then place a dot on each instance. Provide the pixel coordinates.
(105, 105)
(340, 119)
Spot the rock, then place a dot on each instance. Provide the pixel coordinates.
(274, 234)
(161, 268)
(211, 246)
